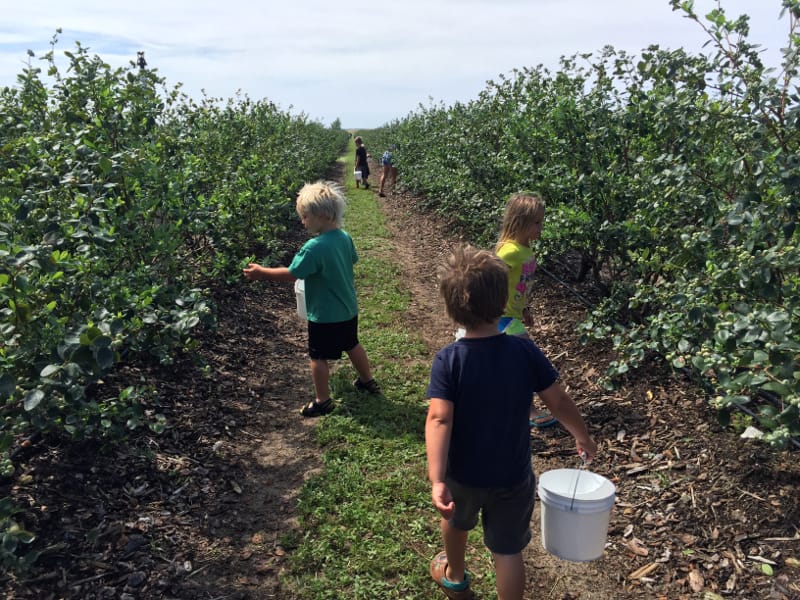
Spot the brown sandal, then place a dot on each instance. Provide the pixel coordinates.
(454, 591)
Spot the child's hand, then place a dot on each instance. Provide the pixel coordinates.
(252, 271)
(442, 500)
(587, 448)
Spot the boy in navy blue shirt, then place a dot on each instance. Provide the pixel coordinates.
(477, 435)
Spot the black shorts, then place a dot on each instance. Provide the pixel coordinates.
(327, 341)
(505, 513)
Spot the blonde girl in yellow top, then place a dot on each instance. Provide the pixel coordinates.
(522, 224)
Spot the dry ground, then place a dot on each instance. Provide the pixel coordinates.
(200, 512)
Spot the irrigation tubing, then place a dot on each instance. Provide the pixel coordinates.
(563, 283)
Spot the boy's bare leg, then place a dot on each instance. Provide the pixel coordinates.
(510, 576)
(358, 356)
(320, 374)
(455, 546)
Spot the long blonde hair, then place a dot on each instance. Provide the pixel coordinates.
(522, 208)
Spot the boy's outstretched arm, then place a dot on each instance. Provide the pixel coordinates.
(256, 272)
(438, 427)
(563, 408)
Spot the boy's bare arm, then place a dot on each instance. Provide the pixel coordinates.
(438, 427)
(256, 272)
(563, 408)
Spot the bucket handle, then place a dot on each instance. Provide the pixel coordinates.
(577, 477)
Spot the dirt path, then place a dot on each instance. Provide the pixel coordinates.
(203, 511)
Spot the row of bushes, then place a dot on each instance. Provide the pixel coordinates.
(121, 201)
(673, 176)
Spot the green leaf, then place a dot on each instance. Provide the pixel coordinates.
(49, 370)
(699, 363)
(88, 336)
(766, 569)
(102, 341)
(105, 165)
(105, 357)
(83, 357)
(760, 357)
(32, 399)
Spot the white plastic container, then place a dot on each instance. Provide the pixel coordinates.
(576, 507)
(300, 296)
(357, 175)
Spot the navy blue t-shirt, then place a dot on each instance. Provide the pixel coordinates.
(490, 382)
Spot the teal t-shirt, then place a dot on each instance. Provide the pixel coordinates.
(326, 264)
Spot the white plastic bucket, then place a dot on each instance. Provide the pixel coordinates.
(300, 296)
(576, 507)
(357, 175)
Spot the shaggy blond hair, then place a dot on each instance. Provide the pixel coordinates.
(521, 210)
(322, 199)
(474, 286)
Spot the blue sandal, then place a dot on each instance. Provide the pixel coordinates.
(542, 420)
(454, 591)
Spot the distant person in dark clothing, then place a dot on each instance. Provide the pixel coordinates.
(361, 162)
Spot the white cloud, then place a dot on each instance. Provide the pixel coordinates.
(365, 64)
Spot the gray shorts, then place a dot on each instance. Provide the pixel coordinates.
(505, 513)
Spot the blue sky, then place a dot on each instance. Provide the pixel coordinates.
(364, 63)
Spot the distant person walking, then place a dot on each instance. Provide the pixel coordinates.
(361, 162)
(388, 170)
(325, 262)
